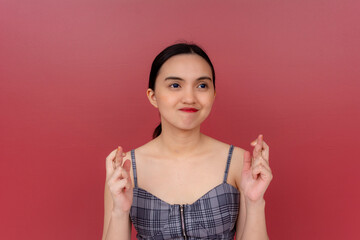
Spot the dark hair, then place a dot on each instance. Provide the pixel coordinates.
(161, 58)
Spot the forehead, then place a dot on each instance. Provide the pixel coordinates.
(185, 65)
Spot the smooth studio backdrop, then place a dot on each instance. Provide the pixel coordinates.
(73, 77)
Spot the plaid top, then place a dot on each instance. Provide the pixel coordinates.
(212, 216)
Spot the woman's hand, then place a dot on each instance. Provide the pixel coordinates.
(256, 173)
(119, 181)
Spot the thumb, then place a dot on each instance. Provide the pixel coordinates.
(247, 161)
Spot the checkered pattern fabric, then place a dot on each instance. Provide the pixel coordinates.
(212, 216)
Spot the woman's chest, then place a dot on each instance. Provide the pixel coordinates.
(181, 183)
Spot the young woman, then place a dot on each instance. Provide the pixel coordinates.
(183, 184)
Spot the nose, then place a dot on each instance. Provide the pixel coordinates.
(189, 96)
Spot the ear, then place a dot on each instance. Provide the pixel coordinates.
(151, 96)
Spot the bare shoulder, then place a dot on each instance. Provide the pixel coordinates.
(236, 163)
(139, 151)
(237, 154)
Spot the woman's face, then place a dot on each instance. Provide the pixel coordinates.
(183, 81)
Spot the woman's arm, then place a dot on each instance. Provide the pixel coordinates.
(251, 220)
(255, 225)
(254, 179)
(240, 224)
(117, 226)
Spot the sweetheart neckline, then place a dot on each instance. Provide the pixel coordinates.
(186, 204)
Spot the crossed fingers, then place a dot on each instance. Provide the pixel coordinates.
(120, 169)
(260, 159)
(117, 161)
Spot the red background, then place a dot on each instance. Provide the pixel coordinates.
(73, 81)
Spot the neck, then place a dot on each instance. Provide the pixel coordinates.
(178, 142)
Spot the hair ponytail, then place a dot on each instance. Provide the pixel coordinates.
(157, 131)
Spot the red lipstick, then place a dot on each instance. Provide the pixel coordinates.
(189, 109)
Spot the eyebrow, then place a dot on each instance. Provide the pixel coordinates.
(178, 78)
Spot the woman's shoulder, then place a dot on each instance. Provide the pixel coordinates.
(217, 144)
(237, 157)
(236, 163)
(140, 150)
(145, 149)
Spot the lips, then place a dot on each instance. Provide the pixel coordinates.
(189, 109)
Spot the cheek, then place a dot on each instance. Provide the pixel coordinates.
(207, 100)
(161, 98)
(164, 100)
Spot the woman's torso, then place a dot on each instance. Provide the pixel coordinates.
(175, 182)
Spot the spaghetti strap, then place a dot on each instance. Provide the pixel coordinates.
(134, 166)
(228, 162)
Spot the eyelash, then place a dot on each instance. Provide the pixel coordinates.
(206, 86)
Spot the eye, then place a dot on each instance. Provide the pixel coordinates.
(203, 85)
(174, 85)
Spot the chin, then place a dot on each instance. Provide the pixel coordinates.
(189, 127)
(184, 125)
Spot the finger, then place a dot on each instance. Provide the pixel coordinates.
(124, 173)
(258, 147)
(262, 171)
(265, 152)
(255, 171)
(114, 176)
(119, 157)
(128, 185)
(109, 161)
(263, 162)
(119, 186)
(121, 173)
(116, 182)
(247, 161)
(253, 143)
(127, 165)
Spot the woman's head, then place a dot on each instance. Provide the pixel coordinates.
(182, 75)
